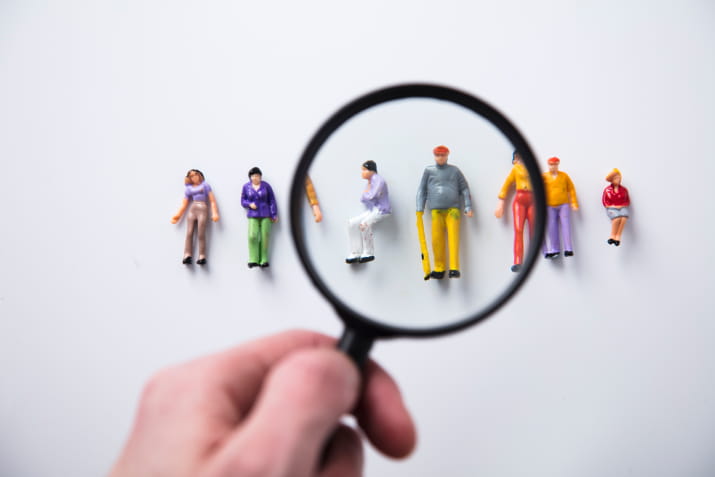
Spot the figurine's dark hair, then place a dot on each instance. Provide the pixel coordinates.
(188, 181)
(254, 170)
(514, 154)
(370, 166)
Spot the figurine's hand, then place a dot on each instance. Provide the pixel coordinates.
(175, 219)
(274, 219)
(252, 205)
(469, 213)
(500, 209)
(574, 207)
(266, 408)
(215, 217)
(317, 214)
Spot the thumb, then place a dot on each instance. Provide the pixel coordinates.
(298, 408)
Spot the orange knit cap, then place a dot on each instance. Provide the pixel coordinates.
(554, 160)
(440, 150)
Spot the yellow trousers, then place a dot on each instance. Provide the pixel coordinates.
(445, 219)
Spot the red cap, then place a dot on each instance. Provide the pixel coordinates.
(554, 160)
(440, 150)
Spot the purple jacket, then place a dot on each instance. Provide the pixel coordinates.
(263, 198)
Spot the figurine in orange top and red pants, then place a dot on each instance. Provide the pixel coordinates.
(616, 201)
(522, 207)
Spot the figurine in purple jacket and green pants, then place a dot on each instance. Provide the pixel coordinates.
(260, 203)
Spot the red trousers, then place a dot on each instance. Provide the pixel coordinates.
(522, 209)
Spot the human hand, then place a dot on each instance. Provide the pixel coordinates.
(271, 407)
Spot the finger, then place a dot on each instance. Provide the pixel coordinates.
(383, 416)
(298, 408)
(344, 454)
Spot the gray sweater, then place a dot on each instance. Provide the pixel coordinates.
(441, 188)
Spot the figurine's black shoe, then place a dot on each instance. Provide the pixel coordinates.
(611, 241)
(516, 267)
(252, 264)
(454, 274)
(616, 243)
(352, 259)
(552, 254)
(201, 261)
(369, 258)
(265, 265)
(437, 275)
(187, 260)
(568, 253)
(427, 276)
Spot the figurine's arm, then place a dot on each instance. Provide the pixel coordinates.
(214, 207)
(182, 209)
(572, 192)
(313, 199)
(499, 212)
(273, 206)
(466, 196)
(605, 199)
(422, 192)
(246, 203)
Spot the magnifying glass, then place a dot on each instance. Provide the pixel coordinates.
(424, 274)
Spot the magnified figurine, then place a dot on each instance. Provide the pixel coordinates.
(616, 201)
(376, 199)
(442, 189)
(260, 203)
(560, 200)
(197, 194)
(313, 199)
(522, 206)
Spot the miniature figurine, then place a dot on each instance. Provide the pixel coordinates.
(262, 211)
(377, 205)
(522, 206)
(443, 188)
(560, 199)
(196, 194)
(616, 201)
(313, 199)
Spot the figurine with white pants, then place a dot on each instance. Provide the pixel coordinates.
(377, 205)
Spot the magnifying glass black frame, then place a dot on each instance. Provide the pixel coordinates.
(360, 330)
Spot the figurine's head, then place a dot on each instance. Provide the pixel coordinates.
(194, 177)
(368, 169)
(614, 177)
(516, 157)
(554, 164)
(255, 175)
(441, 155)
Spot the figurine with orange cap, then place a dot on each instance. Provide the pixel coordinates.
(616, 201)
(522, 207)
(442, 189)
(560, 200)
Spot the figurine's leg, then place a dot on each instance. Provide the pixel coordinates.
(355, 236)
(265, 235)
(620, 223)
(552, 231)
(254, 229)
(438, 225)
(615, 223)
(453, 219)
(565, 224)
(202, 215)
(519, 212)
(190, 224)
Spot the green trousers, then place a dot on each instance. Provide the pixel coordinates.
(259, 231)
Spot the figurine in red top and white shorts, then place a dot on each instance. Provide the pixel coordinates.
(616, 201)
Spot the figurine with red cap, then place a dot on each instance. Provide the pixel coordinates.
(522, 207)
(560, 200)
(443, 189)
(616, 201)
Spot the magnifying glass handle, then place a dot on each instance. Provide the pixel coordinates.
(356, 345)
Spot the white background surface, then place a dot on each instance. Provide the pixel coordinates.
(602, 365)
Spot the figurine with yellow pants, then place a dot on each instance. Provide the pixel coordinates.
(442, 189)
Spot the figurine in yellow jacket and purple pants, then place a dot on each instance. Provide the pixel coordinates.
(560, 200)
